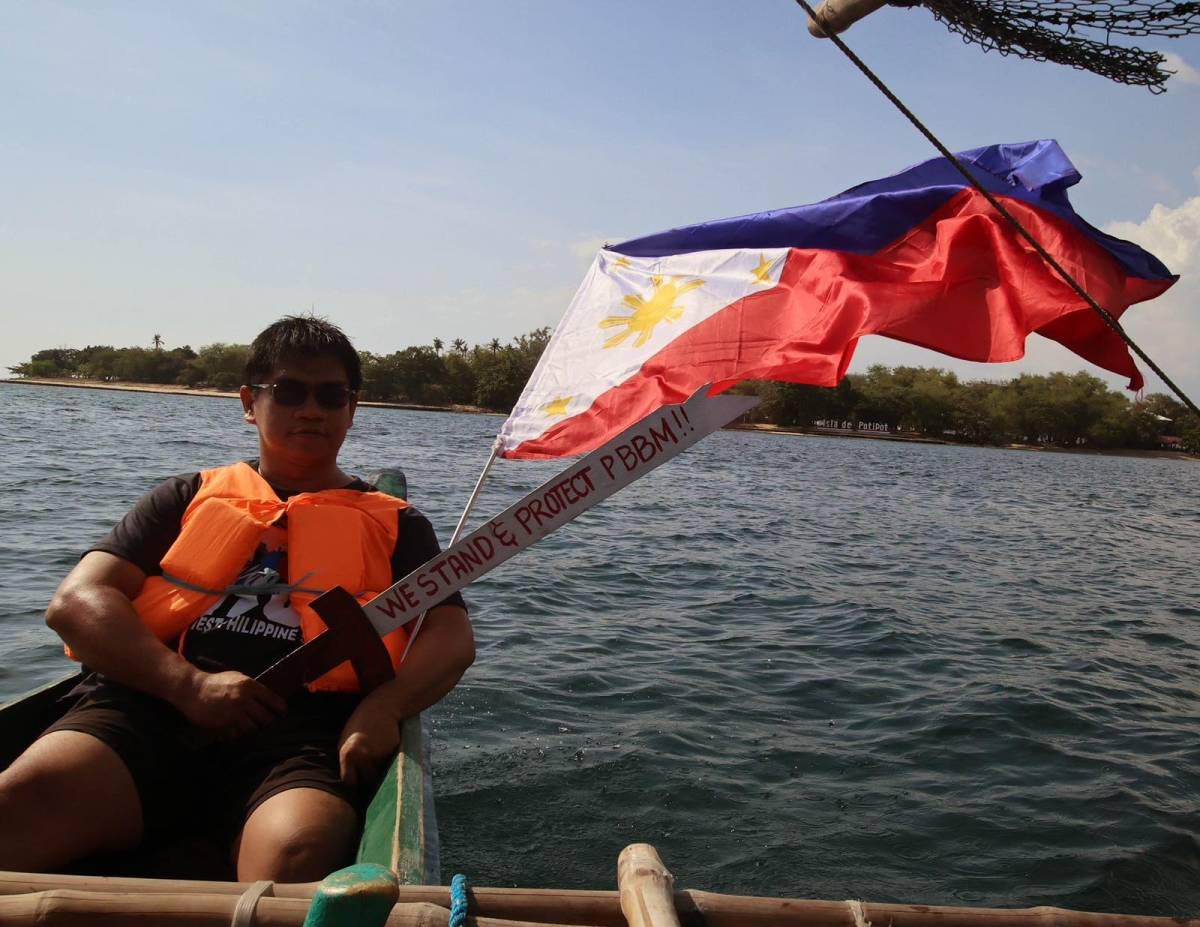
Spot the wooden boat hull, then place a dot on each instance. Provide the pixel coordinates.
(22, 720)
(400, 827)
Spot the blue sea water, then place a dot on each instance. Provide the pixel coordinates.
(815, 667)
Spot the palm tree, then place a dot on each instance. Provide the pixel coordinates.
(158, 342)
(438, 344)
(460, 346)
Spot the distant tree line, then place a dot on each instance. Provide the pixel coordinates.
(490, 376)
(1059, 409)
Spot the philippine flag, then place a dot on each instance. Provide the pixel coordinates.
(785, 295)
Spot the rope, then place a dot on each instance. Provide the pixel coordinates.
(458, 900)
(945, 152)
(248, 590)
(243, 914)
(859, 913)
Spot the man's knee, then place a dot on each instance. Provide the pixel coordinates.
(68, 772)
(68, 795)
(297, 836)
(24, 789)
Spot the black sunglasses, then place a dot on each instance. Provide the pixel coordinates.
(289, 392)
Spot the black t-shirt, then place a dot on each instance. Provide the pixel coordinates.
(254, 626)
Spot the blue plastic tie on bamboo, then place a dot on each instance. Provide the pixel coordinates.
(458, 900)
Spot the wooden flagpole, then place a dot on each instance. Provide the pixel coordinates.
(458, 530)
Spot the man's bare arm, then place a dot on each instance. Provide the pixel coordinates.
(442, 652)
(92, 611)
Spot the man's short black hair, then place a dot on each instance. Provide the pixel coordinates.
(300, 336)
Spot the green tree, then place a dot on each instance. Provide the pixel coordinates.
(459, 378)
(984, 414)
(1187, 428)
(501, 372)
(219, 366)
(55, 362)
(98, 362)
(797, 404)
(378, 383)
(881, 398)
(419, 374)
(932, 396)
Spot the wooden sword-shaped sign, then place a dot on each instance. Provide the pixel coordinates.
(354, 631)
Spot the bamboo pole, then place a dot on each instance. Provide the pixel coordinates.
(458, 530)
(72, 908)
(603, 908)
(20, 883)
(68, 908)
(834, 16)
(646, 887)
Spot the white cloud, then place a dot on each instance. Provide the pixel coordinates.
(1172, 234)
(586, 248)
(1184, 72)
(1168, 328)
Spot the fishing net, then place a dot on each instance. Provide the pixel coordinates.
(1046, 30)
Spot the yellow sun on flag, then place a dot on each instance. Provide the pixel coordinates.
(762, 273)
(557, 407)
(649, 312)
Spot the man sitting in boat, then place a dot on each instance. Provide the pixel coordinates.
(202, 586)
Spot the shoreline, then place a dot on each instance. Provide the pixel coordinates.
(795, 431)
(172, 390)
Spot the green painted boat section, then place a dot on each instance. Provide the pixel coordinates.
(381, 825)
(400, 831)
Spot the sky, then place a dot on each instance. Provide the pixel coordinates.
(448, 169)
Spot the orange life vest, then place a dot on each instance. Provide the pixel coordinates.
(336, 537)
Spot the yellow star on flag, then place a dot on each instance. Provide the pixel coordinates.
(557, 407)
(647, 313)
(762, 273)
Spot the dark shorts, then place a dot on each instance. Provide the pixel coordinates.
(182, 781)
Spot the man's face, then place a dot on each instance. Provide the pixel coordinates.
(308, 434)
